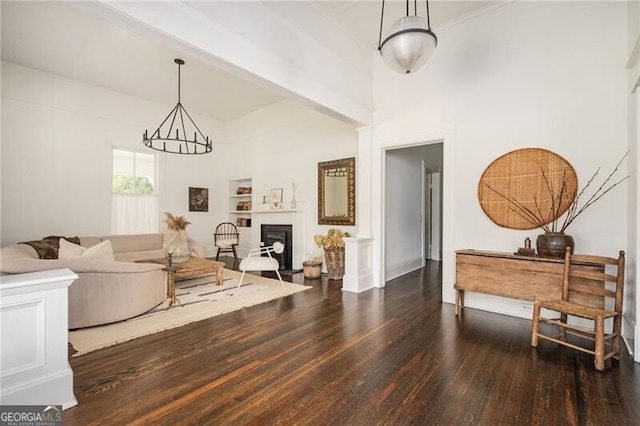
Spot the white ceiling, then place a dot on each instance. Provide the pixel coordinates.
(65, 40)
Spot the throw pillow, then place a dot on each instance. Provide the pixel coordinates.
(102, 250)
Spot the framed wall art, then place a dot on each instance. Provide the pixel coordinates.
(275, 196)
(198, 199)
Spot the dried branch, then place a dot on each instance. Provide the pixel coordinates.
(575, 211)
(521, 210)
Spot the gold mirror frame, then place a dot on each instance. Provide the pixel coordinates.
(337, 197)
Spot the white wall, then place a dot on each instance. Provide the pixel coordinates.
(57, 136)
(528, 74)
(281, 145)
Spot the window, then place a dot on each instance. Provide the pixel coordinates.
(133, 172)
(134, 208)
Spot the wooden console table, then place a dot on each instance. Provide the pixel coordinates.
(510, 275)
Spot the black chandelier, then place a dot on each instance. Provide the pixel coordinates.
(162, 140)
(409, 43)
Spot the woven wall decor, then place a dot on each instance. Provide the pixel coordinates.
(533, 178)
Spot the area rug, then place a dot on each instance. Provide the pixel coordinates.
(199, 298)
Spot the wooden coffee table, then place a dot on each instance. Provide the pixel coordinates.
(193, 268)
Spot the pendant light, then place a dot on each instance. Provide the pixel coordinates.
(409, 43)
(174, 138)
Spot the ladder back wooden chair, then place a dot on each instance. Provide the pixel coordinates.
(594, 294)
(225, 238)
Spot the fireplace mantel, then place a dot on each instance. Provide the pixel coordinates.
(277, 211)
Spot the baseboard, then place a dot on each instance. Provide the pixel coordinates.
(628, 334)
(399, 269)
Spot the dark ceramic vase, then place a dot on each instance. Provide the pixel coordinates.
(554, 244)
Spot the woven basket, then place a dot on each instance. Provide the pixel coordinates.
(528, 176)
(335, 262)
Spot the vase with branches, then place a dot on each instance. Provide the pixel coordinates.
(560, 208)
(176, 241)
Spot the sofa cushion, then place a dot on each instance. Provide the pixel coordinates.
(133, 256)
(138, 242)
(100, 251)
(77, 264)
(89, 241)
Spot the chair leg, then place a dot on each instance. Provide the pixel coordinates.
(281, 282)
(599, 343)
(235, 253)
(535, 324)
(615, 343)
(563, 330)
(218, 253)
(241, 277)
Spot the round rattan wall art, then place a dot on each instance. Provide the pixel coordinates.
(527, 186)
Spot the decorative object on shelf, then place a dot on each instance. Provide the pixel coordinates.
(555, 197)
(180, 144)
(275, 198)
(337, 192)
(243, 206)
(312, 267)
(409, 43)
(554, 244)
(243, 190)
(333, 245)
(176, 240)
(198, 199)
(527, 250)
(293, 197)
(243, 222)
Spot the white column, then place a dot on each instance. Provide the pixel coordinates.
(358, 274)
(359, 249)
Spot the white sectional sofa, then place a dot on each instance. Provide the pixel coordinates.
(106, 290)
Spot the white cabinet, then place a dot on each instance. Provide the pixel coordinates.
(34, 366)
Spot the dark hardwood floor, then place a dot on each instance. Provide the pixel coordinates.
(396, 356)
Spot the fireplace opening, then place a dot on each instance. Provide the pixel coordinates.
(270, 234)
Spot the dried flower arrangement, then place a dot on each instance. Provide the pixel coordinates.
(313, 259)
(333, 239)
(548, 219)
(175, 223)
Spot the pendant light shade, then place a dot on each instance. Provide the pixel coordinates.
(173, 134)
(409, 43)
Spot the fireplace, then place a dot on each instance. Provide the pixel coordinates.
(270, 234)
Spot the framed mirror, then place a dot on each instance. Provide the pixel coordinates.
(337, 192)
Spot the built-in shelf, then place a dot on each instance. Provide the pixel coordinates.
(241, 218)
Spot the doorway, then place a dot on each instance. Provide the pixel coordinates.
(432, 212)
(412, 208)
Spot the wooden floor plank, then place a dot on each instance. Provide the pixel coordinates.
(383, 357)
